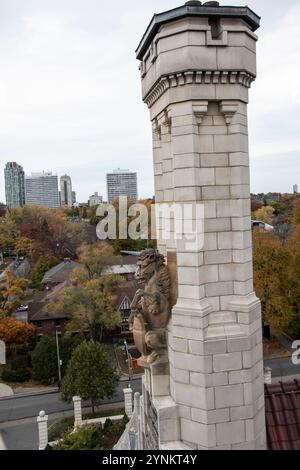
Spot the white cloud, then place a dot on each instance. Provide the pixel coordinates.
(70, 95)
(275, 97)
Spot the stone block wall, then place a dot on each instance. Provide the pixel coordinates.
(195, 83)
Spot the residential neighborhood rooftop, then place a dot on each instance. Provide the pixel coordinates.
(283, 415)
(61, 272)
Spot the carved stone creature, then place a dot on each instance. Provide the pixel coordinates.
(151, 307)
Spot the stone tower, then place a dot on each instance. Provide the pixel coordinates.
(197, 63)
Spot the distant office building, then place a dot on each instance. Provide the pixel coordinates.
(14, 185)
(66, 197)
(41, 189)
(95, 200)
(73, 197)
(295, 189)
(121, 183)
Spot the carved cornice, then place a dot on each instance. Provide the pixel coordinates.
(197, 77)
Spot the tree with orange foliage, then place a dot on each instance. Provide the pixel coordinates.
(45, 231)
(15, 333)
(272, 280)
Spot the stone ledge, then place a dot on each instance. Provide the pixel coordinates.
(196, 77)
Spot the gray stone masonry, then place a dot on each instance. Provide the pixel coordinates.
(196, 71)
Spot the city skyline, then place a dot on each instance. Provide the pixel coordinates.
(78, 103)
(65, 184)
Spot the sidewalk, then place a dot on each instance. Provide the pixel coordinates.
(34, 390)
(5, 391)
(25, 391)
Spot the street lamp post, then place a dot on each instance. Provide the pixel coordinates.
(128, 359)
(58, 359)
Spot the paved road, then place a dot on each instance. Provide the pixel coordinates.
(18, 427)
(15, 408)
(19, 435)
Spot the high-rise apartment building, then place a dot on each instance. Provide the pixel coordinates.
(66, 193)
(14, 185)
(95, 200)
(41, 189)
(121, 183)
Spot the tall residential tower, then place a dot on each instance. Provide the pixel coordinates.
(66, 196)
(14, 185)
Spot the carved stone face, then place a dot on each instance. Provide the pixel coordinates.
(147, 264)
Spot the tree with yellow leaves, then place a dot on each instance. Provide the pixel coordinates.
(9, 233)
(90, 305)
(272, 280)
(265, 214)
(96, 258)
(12, 290)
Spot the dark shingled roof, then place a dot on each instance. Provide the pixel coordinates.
(283, 415)
(61, 272)
(36, 313)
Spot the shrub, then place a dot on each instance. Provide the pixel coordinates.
(108, 425)
(18, 375)
(20, 362)
(115, 428)
(87, 437)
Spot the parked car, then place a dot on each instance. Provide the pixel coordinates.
(262, 225)
(22, 308)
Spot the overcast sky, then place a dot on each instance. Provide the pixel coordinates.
(70, 99)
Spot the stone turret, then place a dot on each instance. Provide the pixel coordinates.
(197, 63)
